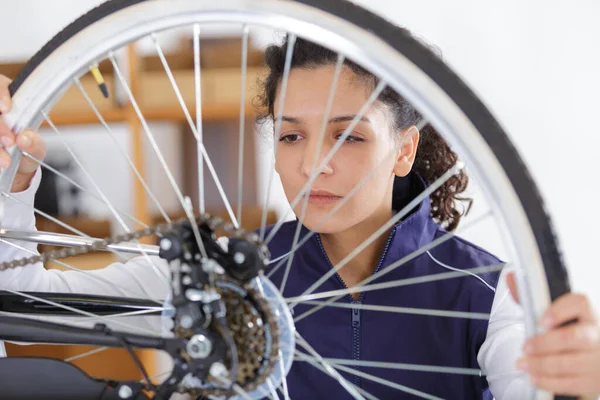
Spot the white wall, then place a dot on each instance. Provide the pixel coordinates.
(535, 64)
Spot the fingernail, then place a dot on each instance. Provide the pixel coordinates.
(3, 107)
(527, 348)
(6, 141)
(522, 364)
(25, 140)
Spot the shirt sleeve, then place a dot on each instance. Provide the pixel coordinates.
(499, 352)
(144, 277)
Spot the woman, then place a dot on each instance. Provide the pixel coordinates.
(565, 359)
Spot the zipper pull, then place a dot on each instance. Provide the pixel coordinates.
(355, 317)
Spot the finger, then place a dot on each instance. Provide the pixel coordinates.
(566, 364)
(511, 281)
(4, 158)
(5, 102)
(569, 307)
(579, 336)
(566, 385)
(5, 130)
(31, 143)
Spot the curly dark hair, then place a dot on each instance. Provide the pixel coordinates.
(434, 156)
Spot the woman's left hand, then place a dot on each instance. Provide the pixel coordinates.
(564, 359)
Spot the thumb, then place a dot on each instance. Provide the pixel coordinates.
(511, 280)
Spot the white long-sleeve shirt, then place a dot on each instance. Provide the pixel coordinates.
(138, 278)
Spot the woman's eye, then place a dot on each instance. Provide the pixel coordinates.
(290, 138)
(351, 139)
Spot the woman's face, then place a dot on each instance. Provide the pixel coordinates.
(371, 145)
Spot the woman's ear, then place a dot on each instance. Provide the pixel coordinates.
(407, 151)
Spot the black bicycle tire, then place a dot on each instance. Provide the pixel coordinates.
(441, 74)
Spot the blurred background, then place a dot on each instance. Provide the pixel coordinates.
(535, 64)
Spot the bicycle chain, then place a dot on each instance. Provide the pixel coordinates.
(102, 244)
(248, 324)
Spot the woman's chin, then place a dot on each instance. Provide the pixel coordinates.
(316, 224)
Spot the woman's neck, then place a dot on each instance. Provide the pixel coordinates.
(339, 245)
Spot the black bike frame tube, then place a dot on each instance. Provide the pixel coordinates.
(34, 331)
(98, 305)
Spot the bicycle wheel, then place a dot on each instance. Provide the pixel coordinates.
(399, 62)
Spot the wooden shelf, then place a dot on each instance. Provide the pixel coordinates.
(157, 99)
(211, 113)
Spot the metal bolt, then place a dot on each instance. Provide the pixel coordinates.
(239, 258)
(204, 296)
(199, 346)
(186, 280)
(165, 244)
(194, 295)
(211, 265)
(186, 268)
(125, 392)
(186, 321)
(218, 370)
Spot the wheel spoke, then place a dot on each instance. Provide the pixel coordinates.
(311, 361)
(272, 389)
(241, 143)
(188, 117)
(83, 189)
(153, 377)
(159, 154)
(198, 95)
(286, 393)
(336, 294)
(236, 388)
(86, 354)
(45, 215)
(336, 76)
(129, 314)
(277, 128)
(87, 174)
(406, 367)
(382, 381)
(330, 370)
(132, 328)
(123, 153)
(404, 310)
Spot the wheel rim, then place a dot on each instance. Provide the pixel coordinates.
(424, 93)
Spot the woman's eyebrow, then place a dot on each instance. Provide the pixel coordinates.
(292, 120)
(334, 120)
(347, 118)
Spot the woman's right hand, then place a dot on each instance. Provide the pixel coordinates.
(28, 140)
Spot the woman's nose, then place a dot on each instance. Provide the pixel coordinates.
(314, 155)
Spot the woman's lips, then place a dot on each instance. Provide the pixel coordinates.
(322, 197)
